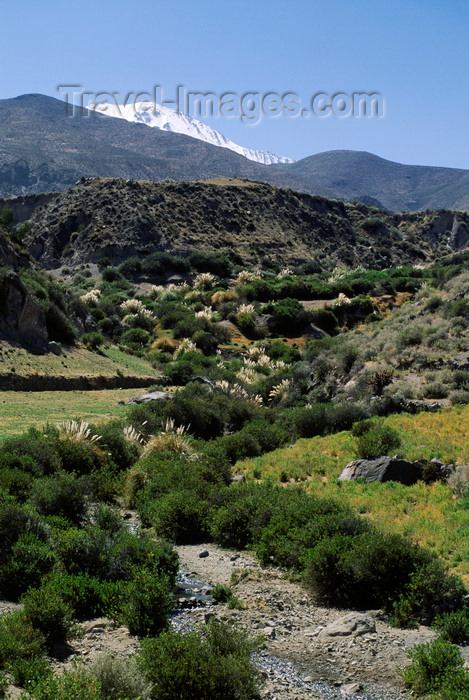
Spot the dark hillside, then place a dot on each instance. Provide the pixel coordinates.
(256, 222)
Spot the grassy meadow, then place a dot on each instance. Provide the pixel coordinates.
(72, 362)
(21, 410)
(429, 514)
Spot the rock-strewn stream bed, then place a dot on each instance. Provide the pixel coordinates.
(310, 651)
(305, 655)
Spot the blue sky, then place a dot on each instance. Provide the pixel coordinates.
(414, 52)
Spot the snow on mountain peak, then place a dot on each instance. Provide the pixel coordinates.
(161, 117)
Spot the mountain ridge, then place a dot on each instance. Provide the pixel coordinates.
(160, 117)
(44, 150)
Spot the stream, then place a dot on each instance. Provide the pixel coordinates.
(281, 674)
(283, 679)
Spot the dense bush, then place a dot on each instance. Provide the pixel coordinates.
(46, 611)
(148, 604)
(118, 678)
(37, 446)
(92, 340)
(22, 648)
(29, 560)
(181, 517)
(375, 439)
(88, 597)
(58, 326)
(213, 665)
(453, 626)
(325, 319)
(61, 494)
(437, 668)
(289, 316)
(71, 685)
(365, 571)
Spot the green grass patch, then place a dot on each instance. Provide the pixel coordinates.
(73, 362)
(21, 410)
(429, 514)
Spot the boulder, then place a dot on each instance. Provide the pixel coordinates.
(354, 624)
(383, 469)
(151, 396)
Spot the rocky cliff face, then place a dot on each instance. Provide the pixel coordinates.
(21, 317)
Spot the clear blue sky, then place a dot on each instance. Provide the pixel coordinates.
(414, 52)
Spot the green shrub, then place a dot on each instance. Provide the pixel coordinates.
(377, 440)
(29, 560)
(215, 262)
(111, 274)
(20, 645)
(131, 267)
(122, 452)
(200, 412)
(135, 338)
(28, 672)
(453, 626)
(148, 604)
(214, 665)
(289, 316)
(71, 685)
(6, 216)
(206, 342)
(432, 664)
(87, 596)
(16, 482)
(372, 569)
(83, 551)
(435, 390)
(409, 337)
(16, 520)
(429, 590)
(37, 446)
(47, 612)
(248, 326)
(59, 327)
(221, 593)
(309, 422)
(324, 319)
(181, 517)
(118, 678)
(79, 457)
(92, 340)
(62, 494)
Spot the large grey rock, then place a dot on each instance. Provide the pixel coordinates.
(383, 469)
(354, 624)
(151, 396)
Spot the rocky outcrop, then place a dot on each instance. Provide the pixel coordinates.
(151, 396)
(23, 207)
(21, 317)
(383, 469)
(354, 624)
(396, 469)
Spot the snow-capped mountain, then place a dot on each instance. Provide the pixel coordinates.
(166, 119)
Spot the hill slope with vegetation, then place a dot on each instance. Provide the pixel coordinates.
(255, 224)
